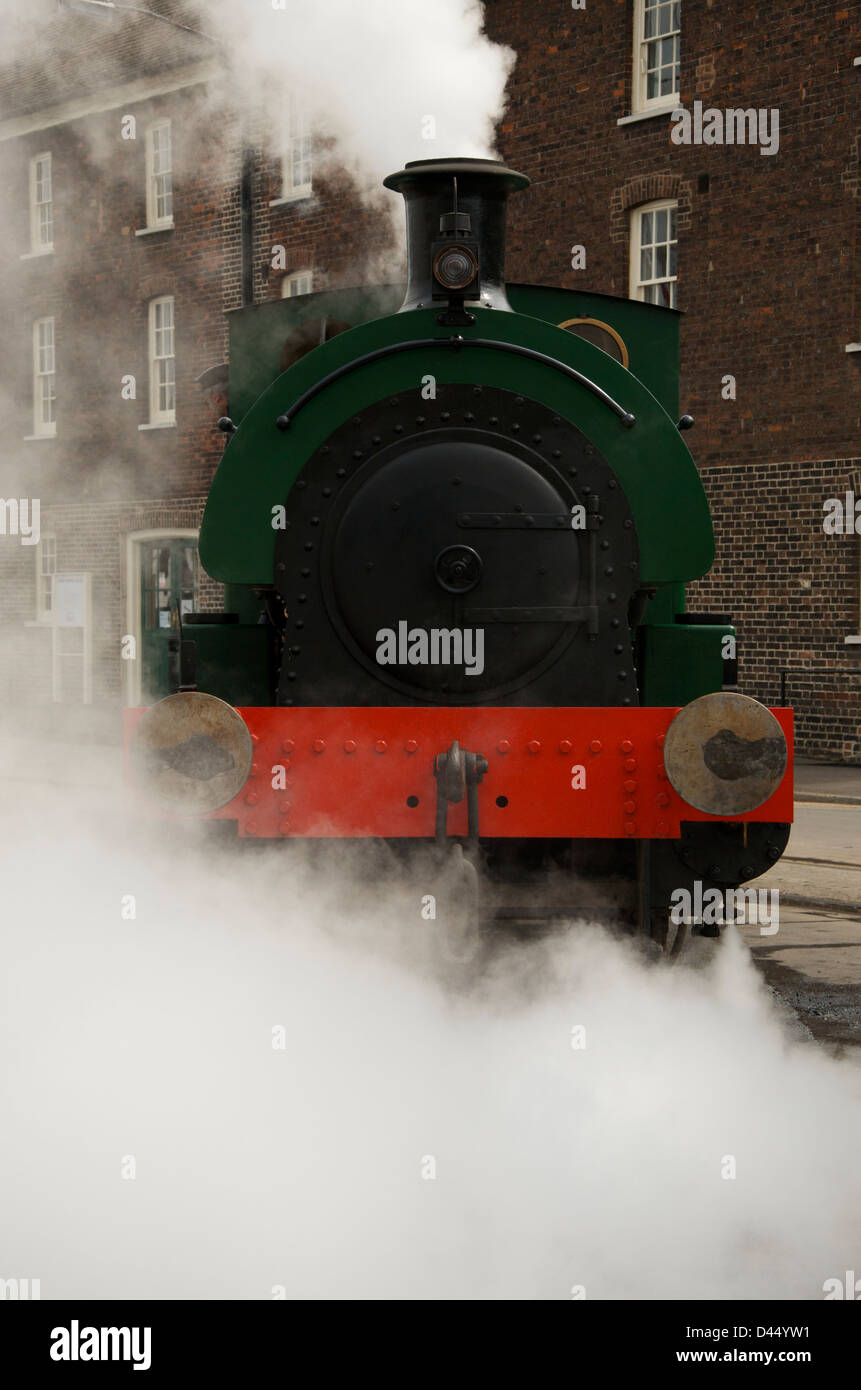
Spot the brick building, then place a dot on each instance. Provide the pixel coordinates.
(140, 209)
(122, 256)
(768, 277)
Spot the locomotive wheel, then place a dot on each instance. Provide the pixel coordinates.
(677, 941)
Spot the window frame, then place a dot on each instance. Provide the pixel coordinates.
(153, 221)
(37, 246)
(640, 102)
(44, 429)
(636, 286)
(296, 127)
(157, 416)
(47, 547)
(293, 278)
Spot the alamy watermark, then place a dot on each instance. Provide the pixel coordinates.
(436, 646)
(842, 515)
(729, 127)
(727, 907)
(19, 516)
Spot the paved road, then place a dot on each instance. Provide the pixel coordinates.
(814, 960)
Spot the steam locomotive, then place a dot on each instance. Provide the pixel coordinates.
(455, 535)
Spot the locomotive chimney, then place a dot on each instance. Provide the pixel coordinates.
(455, 231)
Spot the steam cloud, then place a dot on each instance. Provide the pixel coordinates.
(389, 80)
(303, 1168)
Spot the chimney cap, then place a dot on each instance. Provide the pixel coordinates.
(419, 169)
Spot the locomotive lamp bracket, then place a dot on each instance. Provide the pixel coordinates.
(455, 266)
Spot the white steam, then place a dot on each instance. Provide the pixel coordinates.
(388, 80)
(305, 1167)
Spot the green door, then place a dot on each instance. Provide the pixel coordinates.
(167, 578)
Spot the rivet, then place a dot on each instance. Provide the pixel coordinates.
(630, 764)
(630, 827)
(660, 740)
(252, 798)
(381, 745)
(319, 745)
(662, 827)
(565, 745)
(349, 745)
(284, 827)
(376, 439)
(608, 570)
(357, 454)
(420, 419)
(595, 746)
(629, 807)
(630, 785)
(446, 415)
(410, 746)
(494, 420)
(534, 746)
(663, 799)
(327, 492)
(305, 574)
(341, 473)
(626, 746)
(503, 746)
(662, 773)
(251, 827)
(255, 769)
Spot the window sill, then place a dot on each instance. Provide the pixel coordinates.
(159, 425)
(29, 438)
(151, 231)
(35, 255)
(852, 641)
(852, 347)
(291, 198)
(666, 110)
